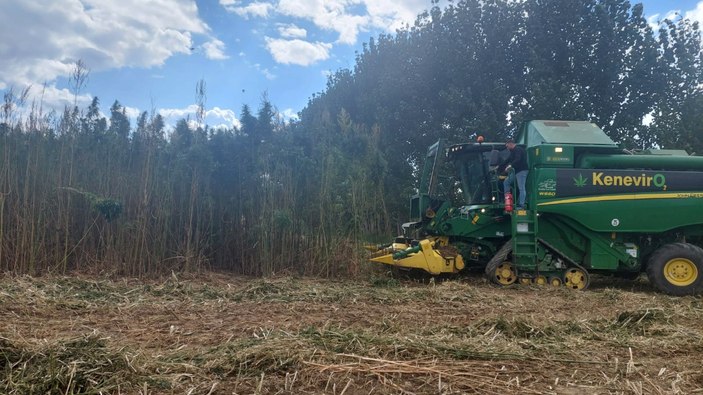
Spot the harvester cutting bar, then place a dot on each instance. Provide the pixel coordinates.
(425, 255)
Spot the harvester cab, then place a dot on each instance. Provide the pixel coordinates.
(458, 205)
(592, 207)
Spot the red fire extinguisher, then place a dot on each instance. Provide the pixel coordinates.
(508, 202)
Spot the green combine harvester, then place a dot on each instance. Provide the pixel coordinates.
(592, 207)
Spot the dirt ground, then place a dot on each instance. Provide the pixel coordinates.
(222, 334)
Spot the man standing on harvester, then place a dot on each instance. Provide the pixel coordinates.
(518, 162)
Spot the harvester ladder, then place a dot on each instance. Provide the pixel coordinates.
(524, 225)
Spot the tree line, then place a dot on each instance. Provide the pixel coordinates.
(80, 191)
(484, 67)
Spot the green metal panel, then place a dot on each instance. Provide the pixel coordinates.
(591, 249)
(676, 152)
(563, 132)
(634, 213)
(470, 222)
(621, 200)
(568, 241)
(641, 161)
(551, 155)
(601, 259)
(600, 252)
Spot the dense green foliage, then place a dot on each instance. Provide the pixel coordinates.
(79, 191)
(486, 66)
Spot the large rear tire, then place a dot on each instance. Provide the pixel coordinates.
(677, 269)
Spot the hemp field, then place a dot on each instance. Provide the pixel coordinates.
(220, 334)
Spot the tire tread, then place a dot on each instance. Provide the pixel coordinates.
(656, 262)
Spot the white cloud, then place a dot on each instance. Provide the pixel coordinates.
(292, 31)
(221, 117)
(178, 113)
(349, 17)
(104, 34)
(288, 114)
(346, 17)
(132, 113)
(221, 126)
(254, 9)
(297, 52)
(224, 114)
(349, 27)
(50, 97)
(653, 22)
(392, 14)
(215, 50)
(655, 19)
(265, 72)
(696, 14)
(328, 15)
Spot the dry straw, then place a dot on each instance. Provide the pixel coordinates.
(216, 334)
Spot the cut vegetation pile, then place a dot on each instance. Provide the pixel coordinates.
(218, 334)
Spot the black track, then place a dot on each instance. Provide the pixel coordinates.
(497, 259)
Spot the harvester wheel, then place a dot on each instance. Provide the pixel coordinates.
(540, 280)
(677, 269)
(555, 281)
(505, 274)
(498, 260)
(576, 278)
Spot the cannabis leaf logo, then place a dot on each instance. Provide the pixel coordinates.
(580, 182)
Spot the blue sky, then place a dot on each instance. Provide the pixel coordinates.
(149, 55)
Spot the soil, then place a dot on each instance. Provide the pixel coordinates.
(223, 334)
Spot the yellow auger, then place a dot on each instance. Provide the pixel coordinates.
(433, 255)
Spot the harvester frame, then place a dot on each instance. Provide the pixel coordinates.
(592, 207)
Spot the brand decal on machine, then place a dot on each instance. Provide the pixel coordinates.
(581, 182)
(547, 187)
(657, 180)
